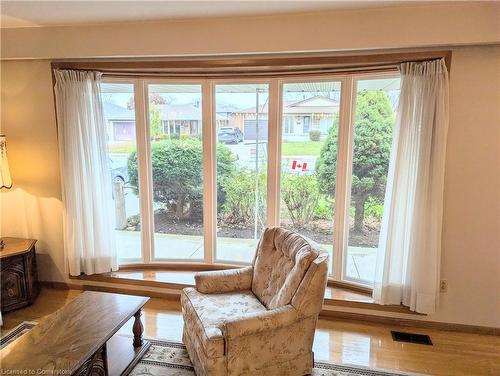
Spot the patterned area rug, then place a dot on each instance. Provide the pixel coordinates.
(167, 358)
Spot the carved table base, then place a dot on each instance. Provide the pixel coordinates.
(119, 355)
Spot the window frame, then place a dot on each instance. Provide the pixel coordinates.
(343, 250)
(150, 214)
(233, 81)
(348, 83)
(335, 77)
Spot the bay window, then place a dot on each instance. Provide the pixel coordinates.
(176, 164)
(242, 138)
(308, 202)
(119, 115)
(201, 166)
(374, 118)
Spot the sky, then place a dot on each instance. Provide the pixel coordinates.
(236, 100)
(242, 100)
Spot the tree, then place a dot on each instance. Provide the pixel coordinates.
(154, 98)
(177, 168)
(155, 122)
(372, 147)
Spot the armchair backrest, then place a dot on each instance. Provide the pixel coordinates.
(283, 262)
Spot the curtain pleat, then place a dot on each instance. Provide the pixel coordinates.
(409, 256)
(89, 241)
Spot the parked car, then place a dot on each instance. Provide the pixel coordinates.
(230, 135)
(119, 171)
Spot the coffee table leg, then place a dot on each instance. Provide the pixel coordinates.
(105, 358)
(137, 329)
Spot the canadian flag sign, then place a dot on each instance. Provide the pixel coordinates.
(302, 166)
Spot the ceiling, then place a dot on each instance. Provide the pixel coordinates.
(52, 13)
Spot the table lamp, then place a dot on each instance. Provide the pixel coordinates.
(5, 179)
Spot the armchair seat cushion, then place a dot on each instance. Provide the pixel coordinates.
(205, 315)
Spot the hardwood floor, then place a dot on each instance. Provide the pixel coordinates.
(364, 344)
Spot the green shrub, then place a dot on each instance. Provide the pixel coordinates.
(177, 168)
(300, 193)
(155, 122)
(239, 205)
(226, 167)
(315, 135)
(374, 208)
(324, 208)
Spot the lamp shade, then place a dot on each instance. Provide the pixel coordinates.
(5, 179)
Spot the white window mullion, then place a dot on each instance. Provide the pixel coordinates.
(274, 154)
(342, 191)
(209, 140)
(144, 169)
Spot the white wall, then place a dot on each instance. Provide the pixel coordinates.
(471, 227)
(33, 207)
(339, 30)
(471, 223)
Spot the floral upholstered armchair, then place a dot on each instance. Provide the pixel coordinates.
(258, 320)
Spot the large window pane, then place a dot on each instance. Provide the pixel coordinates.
(309, 159)
(242, 130)
(119, 114)
(177, 170)
(376, 103)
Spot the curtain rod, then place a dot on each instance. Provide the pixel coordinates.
(245, 67)
(255, 65)
(243, 74)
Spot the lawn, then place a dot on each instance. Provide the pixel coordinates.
(121, 147)
(302, 148)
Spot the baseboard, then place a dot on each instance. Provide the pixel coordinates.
(324, 314)
(451, 327)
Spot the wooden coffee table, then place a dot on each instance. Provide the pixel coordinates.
(81, 338)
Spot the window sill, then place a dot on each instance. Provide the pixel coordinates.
(335, 295)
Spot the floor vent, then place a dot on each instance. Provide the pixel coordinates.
(421, 339)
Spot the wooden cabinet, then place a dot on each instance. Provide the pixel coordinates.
(19, 284)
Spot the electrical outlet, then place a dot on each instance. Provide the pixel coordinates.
(443, 285)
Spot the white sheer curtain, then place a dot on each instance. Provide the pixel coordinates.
(408, 261)
(88, 229)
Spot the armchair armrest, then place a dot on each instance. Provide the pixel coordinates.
(224, 280)
(260, 322)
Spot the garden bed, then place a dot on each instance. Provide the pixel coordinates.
(320, 231)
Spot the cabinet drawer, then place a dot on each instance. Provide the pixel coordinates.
(13, 282)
